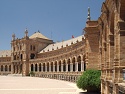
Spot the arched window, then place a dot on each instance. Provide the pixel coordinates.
(31, 47)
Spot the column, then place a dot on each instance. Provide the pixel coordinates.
(12, 68)
(3, 68)
(41, 68)
(53, 68)
(37, 68)
(107, 88)
(45, 68)
(33, 68)
(29, 68)
(15, 69)
(50, 68)
(76, 66)
(61, 67)
(57, 67)
(71, 67)
(18, 69)
(66, 67)
(82, 65)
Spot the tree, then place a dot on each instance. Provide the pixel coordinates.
(90, 81)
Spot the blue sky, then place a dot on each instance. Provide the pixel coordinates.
(56, 19)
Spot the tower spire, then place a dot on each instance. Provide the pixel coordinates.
(88, 18)
(26, 32)
(13, 37)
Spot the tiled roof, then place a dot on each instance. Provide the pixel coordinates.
(59, 45)
(38, 35)
(4, 53)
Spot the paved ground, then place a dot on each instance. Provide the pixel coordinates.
(34, 85)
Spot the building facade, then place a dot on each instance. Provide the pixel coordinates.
(65, 60)
(111, 24)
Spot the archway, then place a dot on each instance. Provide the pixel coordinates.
(68, 62)
(40, 67)
(6, 68)
(64, 65)
(79, 63)
(44, 67)
(9, 67)
(73, 61)
(59, 66)
(51, 66)
(31, 67)
(48, 66)
(36, 67)
(55, 65)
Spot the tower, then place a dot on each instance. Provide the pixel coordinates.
(26, 49)
(92, 42)
(19, 57)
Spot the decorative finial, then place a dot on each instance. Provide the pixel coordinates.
(26, 32)
(13, 37)
(38, 31)
(88, 18)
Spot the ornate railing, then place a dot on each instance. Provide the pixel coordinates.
(66, 76)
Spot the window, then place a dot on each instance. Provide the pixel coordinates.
(20, 47)
(33, 48)
(32, 56)
(13, 48)
(14, 57)
(21, 56)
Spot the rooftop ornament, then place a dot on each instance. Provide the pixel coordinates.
(88, 18)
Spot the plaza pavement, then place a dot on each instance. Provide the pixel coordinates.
(35, 85)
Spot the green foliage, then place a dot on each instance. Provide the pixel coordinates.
(90, 80)
(31, 73)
